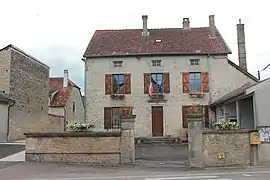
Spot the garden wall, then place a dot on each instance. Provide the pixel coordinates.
(84, 147)
(233, 144)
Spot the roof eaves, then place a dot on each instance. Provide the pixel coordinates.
(225, 43)
(157, 54)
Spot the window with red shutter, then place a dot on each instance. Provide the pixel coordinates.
(185, 82)
(166, 82)
(146, 78)
(205, 82)
(127, 84)
(108, 84)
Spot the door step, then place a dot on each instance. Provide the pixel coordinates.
(158, 140)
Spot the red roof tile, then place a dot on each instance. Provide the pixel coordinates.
(61, 97)
(173, 41)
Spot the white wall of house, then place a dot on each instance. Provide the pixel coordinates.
(3, 121)
(222, 77)
(76, 114)
(261, 105)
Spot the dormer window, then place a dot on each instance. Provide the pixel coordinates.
(117, 63)
(194, 62)
(156, 63)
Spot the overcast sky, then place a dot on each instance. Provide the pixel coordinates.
(58, 31)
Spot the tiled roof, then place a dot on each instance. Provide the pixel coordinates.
(61, 97)
(173, 41)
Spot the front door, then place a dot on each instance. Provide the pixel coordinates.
(157, 121)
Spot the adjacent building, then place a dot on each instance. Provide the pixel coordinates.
(65, 100)
(184, 65)
(25, 80)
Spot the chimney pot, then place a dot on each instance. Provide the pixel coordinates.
(186, 23)
(65, 79)
(241, 42)
(145, 30)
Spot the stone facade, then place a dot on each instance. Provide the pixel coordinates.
(55, 123)
(223, 77)
(235, 145)
(25, 79)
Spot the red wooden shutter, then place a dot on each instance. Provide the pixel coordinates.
(185, 81)
(146, 82)
(205, 82)
(166, 82)
(108, 84)
(206, 117)
(108, 118)
(127, 84)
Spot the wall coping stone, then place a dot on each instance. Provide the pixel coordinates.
(73, 134)
(130, 118)
(233, 131)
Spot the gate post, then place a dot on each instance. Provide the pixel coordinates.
(127, 147)
(195, 140)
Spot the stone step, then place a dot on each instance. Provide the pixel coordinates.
(158, 140)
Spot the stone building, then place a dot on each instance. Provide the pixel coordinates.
(65, 99)
(184, 65)
(25, 79)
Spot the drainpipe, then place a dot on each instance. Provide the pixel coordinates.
(9, 106)
(65, 122)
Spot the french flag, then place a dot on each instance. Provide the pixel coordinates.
(151, 89)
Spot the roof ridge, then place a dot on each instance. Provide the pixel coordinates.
(173, 28)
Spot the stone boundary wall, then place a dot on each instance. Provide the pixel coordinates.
(111, 148)
(74, 147)
(235, 144)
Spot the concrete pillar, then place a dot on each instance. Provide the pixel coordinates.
(127, 140)
(195, 140)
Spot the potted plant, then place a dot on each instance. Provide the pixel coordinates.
(126, 110)
(80, 126)
(225, 125)
(118, 96)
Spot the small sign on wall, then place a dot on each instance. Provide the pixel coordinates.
(264, 134)
(221, 155)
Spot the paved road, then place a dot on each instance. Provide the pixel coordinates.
(36, 171)
(9, 149)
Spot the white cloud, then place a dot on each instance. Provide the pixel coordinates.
(57, 32)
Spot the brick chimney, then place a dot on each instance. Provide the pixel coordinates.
(145, 30)
(212, 25)
(65, 79)
(241, 42)
(186, 23)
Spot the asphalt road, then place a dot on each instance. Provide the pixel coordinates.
(39, 171)
(7, 150)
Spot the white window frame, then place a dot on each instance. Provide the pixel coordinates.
(117, 64)
(156, 63)
(194, 62)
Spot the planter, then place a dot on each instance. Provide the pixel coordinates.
(126, 112)
(118, 96)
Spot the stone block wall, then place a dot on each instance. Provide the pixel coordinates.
(235, 144)
(74, 147)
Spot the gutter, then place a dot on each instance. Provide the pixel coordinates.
(8, 120)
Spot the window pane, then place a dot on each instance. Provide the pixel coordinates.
(115, 83)
(159, 79)
(116, 117)
(191, 76)
(198, 85)
(154, 79)
(191, 86)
